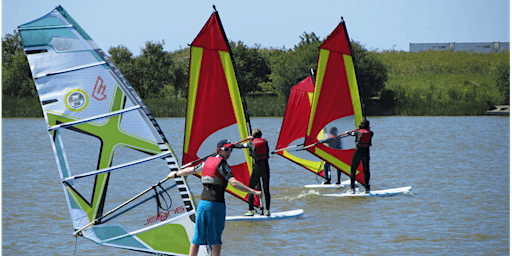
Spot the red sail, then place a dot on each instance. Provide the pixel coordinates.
(336, 104)
(214, 109)
(293, 129)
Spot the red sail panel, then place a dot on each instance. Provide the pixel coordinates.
(293, 129)
(336, 104)
(214, 107)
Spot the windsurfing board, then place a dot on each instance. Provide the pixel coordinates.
(341, 185)
(374, 193)
(273, 216)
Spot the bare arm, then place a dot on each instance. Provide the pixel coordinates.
(183, 172)
(240, 186)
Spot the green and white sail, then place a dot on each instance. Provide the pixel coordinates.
(111, 154)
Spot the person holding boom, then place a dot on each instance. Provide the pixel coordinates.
(211, 210)
(361, 154)
(259, 151)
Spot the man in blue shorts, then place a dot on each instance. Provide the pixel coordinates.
(211, 211)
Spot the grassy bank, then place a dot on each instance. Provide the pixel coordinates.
(160, 107)
(444, 82)
(434, 83)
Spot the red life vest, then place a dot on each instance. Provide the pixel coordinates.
(260, 146)
(365, 140)
(210, 174)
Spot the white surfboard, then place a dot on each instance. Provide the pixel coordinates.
(332, 185)
(373, 193)
(273, 216)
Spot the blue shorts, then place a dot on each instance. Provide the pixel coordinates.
(210, 220)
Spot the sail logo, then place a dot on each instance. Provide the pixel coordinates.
(161, 216)
(99, 90)
(76, 100)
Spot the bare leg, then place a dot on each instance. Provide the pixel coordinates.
(216, 249)
(194, 248)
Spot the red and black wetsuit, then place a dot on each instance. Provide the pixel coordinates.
(361, 155)
(259, 151)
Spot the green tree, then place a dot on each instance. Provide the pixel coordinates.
(16, 75)
(151, 70)
(252, 68)
(372, 73)
(179, 72)
(290, 67)
(502, 78)
(122, 58)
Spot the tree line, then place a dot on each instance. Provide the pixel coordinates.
(156, 73)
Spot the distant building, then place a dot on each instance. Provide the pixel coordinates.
(475, 47)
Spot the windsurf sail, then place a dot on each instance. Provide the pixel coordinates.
(215, 109)
(293, 128)
(336, 104)
(107, 145)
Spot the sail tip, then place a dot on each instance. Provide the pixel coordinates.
(214, 9)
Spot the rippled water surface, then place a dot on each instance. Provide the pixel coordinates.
(459, 168)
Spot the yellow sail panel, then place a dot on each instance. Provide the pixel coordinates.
(196, 54)
(322, 64)
(354, 88)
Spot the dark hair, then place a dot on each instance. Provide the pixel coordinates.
(333, 130)
(364, 124)
(257, 133)
(222, 143)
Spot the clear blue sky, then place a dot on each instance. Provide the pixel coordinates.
(379, 25)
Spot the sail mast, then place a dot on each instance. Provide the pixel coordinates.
(355, 66)
(244, 104)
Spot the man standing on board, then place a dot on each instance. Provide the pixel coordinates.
(361, 154)
(211, 210)
(258, 149)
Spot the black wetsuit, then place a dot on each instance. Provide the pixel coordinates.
(261, 169)
(361, 155)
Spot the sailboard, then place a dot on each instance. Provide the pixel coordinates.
(108, 147)
(374, 193)
(341, 185)
(336, 102)
(215, 107)
(273, 216)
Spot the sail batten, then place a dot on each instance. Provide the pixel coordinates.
(38, 76)
(87, 120)
(107, 144)
(113, 168)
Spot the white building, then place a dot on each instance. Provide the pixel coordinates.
(475, 47)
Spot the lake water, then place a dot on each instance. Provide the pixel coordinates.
(459, 168)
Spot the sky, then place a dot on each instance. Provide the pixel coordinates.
(377, 25)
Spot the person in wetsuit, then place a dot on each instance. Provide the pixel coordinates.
(259, 150)
(211, 210)
(361, 154)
